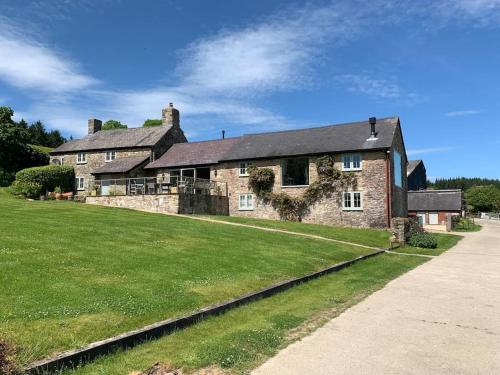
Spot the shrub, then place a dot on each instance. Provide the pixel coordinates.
(260, 180)
(33, 182)
(414, 227)
(424, 240)
(6, 178)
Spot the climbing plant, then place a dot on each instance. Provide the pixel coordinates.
(330, 180)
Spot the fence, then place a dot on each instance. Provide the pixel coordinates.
(490, 215)
(154, 186)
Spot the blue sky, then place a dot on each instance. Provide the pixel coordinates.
(261, 65)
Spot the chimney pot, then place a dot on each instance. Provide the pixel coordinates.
(372, 121)
(94, 125)
(170, 116)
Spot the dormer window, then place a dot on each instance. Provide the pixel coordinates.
(351, 162)
(81, 158)
(110, 156)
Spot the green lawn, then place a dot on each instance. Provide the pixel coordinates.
(445, 242)
(244, 337)
(75, 273)
(369, 237)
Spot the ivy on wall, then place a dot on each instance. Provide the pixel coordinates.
(330, 181)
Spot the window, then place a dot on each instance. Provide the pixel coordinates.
(81, 158)
(398, 171)
(245, 202)
(80, 183)
(295, 172)
(110, 156)
(243, 171)
(352, 201)
(351, 162)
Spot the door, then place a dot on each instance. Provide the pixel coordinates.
(433, 218)
(105, 187)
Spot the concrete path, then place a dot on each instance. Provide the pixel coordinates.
(440, 318)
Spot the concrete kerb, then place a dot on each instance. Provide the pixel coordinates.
(72, 358)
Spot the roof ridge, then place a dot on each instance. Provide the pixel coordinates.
(320, 127)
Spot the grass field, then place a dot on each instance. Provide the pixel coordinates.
(369, 237)
(75, 273)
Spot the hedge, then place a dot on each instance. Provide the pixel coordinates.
(36, 181)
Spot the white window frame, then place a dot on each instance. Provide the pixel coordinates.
(82, 159)
(243, 202)
(80, 183)
(109, 156)
(352, 195)
(243, 168)
(351, 162)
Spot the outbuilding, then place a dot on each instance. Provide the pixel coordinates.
(432, 206)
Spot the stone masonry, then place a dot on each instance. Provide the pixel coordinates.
(371, 181)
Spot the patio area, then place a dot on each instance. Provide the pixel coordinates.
(157, 186)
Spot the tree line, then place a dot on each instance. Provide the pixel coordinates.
(463, 183)
(17, 141)
(114, 124)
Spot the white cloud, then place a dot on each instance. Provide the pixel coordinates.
(465, 112)
(420, 151)
(221, 78)
(273, 55)
(379, 88)
(480, 10)
(28, 64)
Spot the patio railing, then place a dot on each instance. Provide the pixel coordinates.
(153, 185)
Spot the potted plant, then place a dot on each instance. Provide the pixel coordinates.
(58, 193)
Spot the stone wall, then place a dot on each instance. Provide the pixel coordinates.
(203, 204)
(168, 203)
(371, 181)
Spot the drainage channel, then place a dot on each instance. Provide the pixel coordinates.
(73, 358)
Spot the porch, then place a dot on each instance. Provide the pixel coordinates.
(157, 186)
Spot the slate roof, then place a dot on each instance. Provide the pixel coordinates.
(195, 153)
(115, 139)
(332, 138)
(326, 139)
(435, 200)
(121, 165)
(412, 164)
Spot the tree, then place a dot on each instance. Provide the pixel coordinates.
(38, 134)
(15, 154)
(152, 122)
(55, 139)
(113, 124)
(484, 198)
(6, 114)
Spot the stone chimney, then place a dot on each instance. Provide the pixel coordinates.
(94, 125)
(170, 116)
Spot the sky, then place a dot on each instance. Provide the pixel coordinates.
(262, 65)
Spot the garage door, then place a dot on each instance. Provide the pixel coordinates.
(433, 218)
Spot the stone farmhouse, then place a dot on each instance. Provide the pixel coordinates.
(118, 153)
(169, 174)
